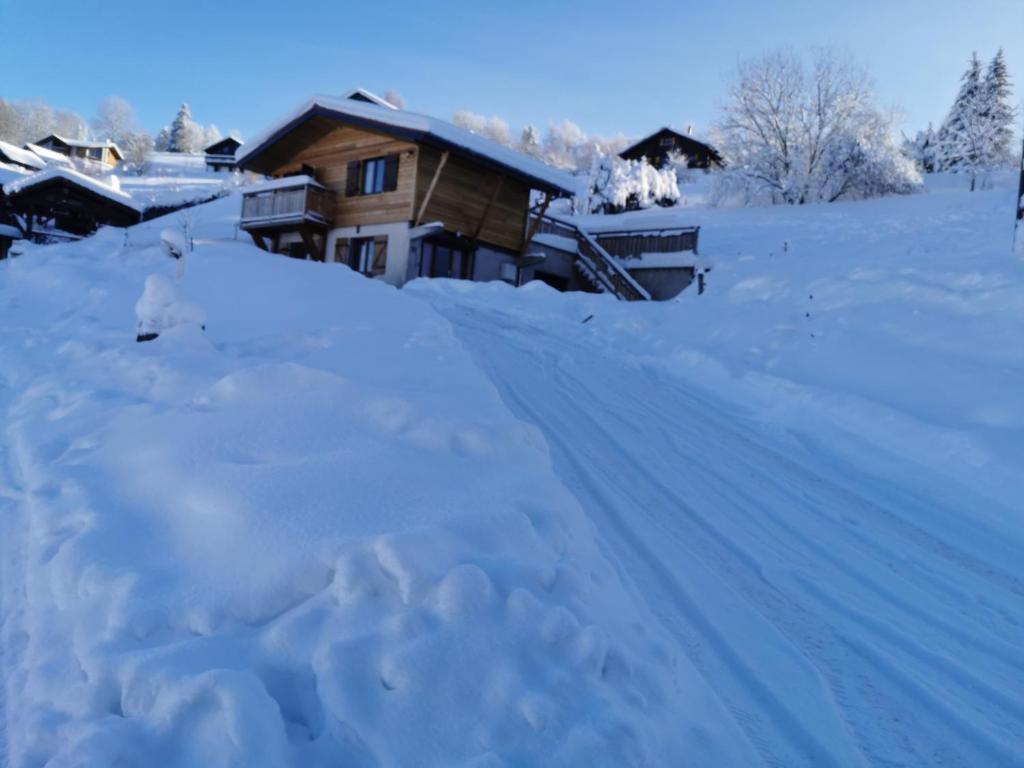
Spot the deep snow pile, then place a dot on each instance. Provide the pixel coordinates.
(310, 535)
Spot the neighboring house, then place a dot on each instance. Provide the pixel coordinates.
(393, 194)
(21, 158)
(660, 146)
(104, 152)
(60, 201)
(48, 155)
(220, 156)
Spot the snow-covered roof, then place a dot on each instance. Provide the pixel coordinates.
(671, 130)
(220, 142)
(361, 94)
(20, 156)
(80, 143)
(12, 188)
(48, 155)
(558, 242)
(6, 230)
(419, 128)
(282, 183)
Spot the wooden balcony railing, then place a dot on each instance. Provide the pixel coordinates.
(287, 201)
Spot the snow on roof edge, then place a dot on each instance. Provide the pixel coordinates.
(86, 182)
(420, 126)
(22, 156)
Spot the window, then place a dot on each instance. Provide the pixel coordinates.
(667, 141)
(439, 260)
(372, 176)
(368, 255)
(94, 153)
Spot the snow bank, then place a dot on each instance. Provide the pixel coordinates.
(313, 535)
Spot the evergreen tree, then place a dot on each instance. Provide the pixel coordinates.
(182, 135)
(953, 152)
(996, 110)
(923, 149)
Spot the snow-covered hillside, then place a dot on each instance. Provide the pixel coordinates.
(777, 524)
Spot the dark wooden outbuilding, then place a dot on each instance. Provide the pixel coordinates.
(60, 200)
(659, 146)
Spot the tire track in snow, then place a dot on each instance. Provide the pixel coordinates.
(876, 704)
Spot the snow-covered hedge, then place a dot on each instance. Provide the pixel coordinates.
(618, 185)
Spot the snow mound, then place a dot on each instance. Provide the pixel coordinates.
(318, 537)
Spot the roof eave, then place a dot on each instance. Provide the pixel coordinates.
(417, 136)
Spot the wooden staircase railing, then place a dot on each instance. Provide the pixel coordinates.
(605, 272)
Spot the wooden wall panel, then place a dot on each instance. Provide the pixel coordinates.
(329, 148)
(460, 199)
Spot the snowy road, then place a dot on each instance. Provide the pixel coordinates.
(844, 617)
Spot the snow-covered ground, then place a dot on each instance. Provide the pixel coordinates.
(464, 524)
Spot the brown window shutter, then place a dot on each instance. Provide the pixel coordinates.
(352, 179)
(391, 173)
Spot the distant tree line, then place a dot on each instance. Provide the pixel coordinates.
(977, 134)
(115, 120)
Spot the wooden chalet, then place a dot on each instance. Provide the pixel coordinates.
(661, 145)
(392, 194)
(106, 153)
(61, 202)
(220, 156)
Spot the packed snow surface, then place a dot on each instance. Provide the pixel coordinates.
(778, 524)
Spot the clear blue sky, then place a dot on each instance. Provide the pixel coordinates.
(623, 66)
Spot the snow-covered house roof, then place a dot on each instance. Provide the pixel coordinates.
(650, 145)
(361, 94)
(51, 157)
(17, 156)
(12, 188)
(80, 143)
(420, 129)
(226, 146)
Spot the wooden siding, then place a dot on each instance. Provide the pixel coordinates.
(328, 147)
(461, 195)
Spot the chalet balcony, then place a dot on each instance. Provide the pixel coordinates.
(292, 201)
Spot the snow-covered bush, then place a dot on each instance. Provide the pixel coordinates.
(618, 185)
(493, 128)
(923, 150)
(159, 309)
(797, 134)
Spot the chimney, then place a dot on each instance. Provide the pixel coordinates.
(689, 129)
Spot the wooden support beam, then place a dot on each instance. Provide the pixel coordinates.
(430, 190)
(487, 208)
(531, 230)
(260, 242)
(309, 239)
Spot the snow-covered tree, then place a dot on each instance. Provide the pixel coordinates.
(184, 132)
(617, 185)
(923, 149)
(529, 141)
(393, 97)
(977, 134)
(70, 125)
(136, 146)
(11, 127)
(115, 118)
(797, 134)
(996, 109)
(494, 128)
(162, 142)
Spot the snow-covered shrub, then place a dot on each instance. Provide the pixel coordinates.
(159, 309)
(797, 134)
(618, 185)
(923, 150)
